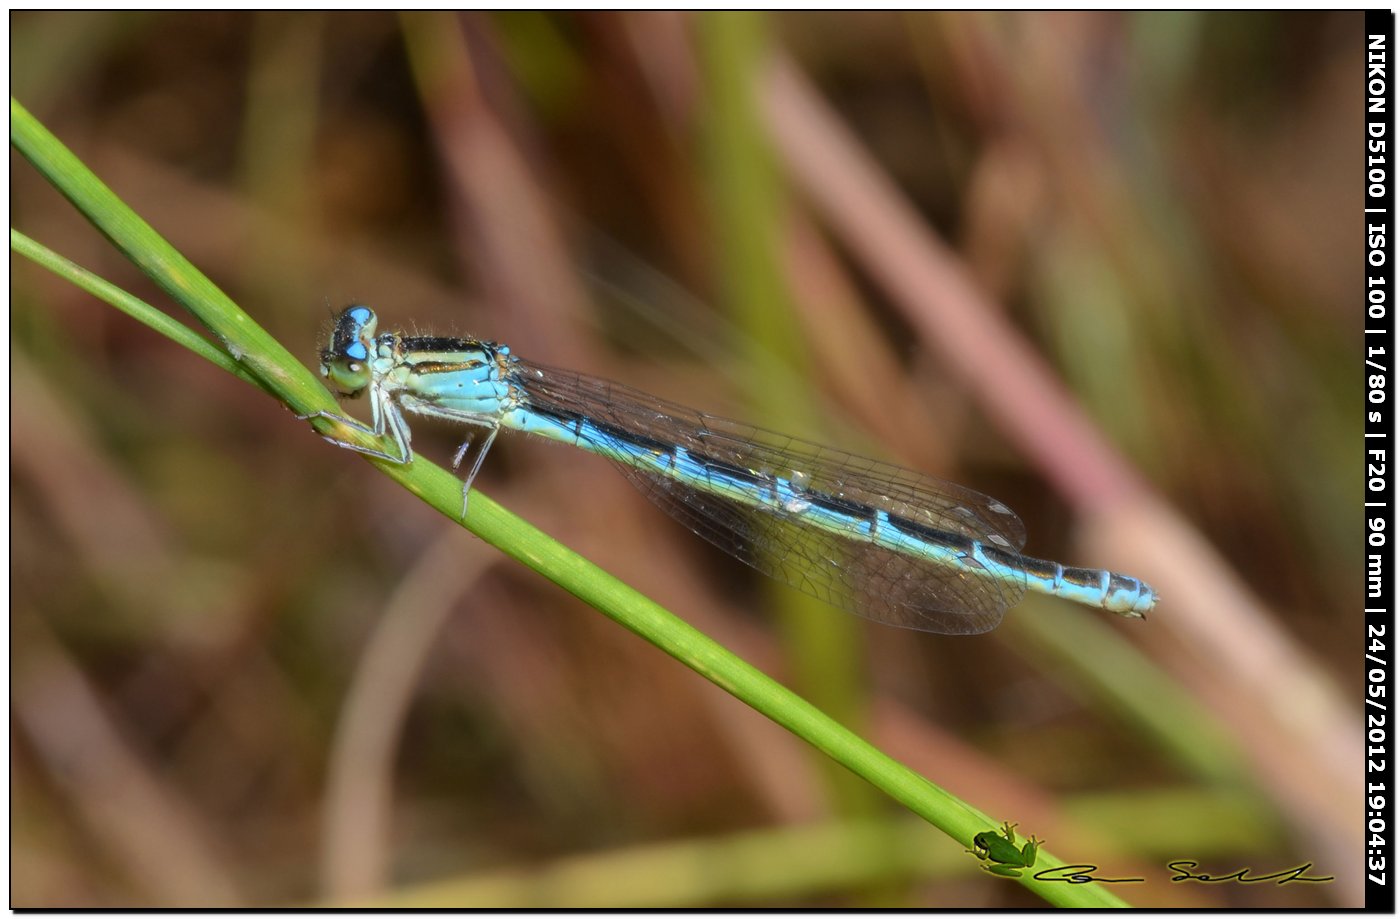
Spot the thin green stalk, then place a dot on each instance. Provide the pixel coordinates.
(764, 865)
(134, 307)
(244, 340)
(824, 653)
(257, 353)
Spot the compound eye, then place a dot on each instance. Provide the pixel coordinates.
(348, 376)
(345, 362)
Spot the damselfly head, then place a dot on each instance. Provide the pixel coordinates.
(345, 360)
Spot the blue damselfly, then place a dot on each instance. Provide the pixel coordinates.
(869, 537)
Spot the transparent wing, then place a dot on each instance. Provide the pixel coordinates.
(849, 572)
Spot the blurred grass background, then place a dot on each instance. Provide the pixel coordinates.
(247, 670)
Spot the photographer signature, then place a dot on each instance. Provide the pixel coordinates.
(1002, 854)
(1083, 874)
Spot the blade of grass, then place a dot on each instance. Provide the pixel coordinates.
(758, 867)
(243, 339)
(134, 307)
(824, 653)
(263, 357)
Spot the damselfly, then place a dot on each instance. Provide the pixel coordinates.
(882, 542)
